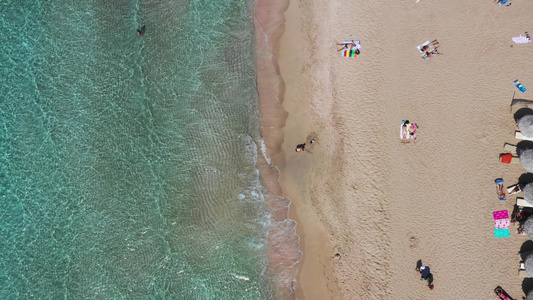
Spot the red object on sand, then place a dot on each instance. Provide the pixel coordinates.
(506, 158)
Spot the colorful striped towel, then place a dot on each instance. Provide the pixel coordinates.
(350, 53)
(500, 214)
(502, 224)
(501, 233)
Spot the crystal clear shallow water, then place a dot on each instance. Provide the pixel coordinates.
(127, 164)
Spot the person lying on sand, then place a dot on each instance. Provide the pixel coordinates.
(499, 292)
(347, 46)
(426, 47)
(412, 131)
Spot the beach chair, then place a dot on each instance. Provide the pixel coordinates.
(509, 147)
(522, 273)
(501, 293)
(514, 189)
(521, 202)
(520, 136)
(508, 158)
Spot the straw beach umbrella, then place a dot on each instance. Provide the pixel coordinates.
(526, 125)
(530, 295)
(526, 158)
(528, 193)
(528, 228)
(528, 263)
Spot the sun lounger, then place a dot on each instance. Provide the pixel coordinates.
(520, 136)
(522, 202)
(513, 189)
(502, 294)
(510, 148)
(522, 273)
(508, 158)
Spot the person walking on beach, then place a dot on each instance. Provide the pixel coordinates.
(300, 147)
(430, 282)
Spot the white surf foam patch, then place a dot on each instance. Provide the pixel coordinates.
(263, 151)
(240, 277)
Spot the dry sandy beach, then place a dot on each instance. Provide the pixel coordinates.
(379, 203)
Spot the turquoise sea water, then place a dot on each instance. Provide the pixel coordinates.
(127, 164)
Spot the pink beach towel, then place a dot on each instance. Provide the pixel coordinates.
(500, 214)
(502, 224)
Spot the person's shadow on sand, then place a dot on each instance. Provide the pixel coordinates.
(418, 264)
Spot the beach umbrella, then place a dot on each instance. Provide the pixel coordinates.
(526, 125)
(526, 158)
(528, 228)
(528, 263)
(530, 295)
(528, 193)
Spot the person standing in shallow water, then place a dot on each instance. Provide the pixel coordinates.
(140, 31)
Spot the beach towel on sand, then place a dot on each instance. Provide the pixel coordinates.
(501, 233)
(502, 224)
(354, 51)
(519, 86)
(500, 214)
(521, 39)
(504, 2)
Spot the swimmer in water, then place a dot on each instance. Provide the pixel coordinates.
(140, 31)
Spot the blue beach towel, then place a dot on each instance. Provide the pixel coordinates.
(501, 233)
(519, 86)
